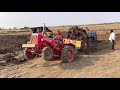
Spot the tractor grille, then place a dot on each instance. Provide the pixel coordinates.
(33, 39)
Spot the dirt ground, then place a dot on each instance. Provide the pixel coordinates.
(97, 62)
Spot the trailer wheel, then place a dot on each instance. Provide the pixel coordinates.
(47, 53)
(68, 54)
(28, 54)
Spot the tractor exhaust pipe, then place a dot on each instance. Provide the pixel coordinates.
(43, 29)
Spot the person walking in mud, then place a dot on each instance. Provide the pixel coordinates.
(87, 38)
(112, 39)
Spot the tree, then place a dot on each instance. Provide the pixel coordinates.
(26, 27)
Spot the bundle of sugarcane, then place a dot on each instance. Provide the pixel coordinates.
(76, 33)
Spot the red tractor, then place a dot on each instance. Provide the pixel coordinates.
(49, 48)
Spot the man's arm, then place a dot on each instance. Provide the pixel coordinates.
(110, 37)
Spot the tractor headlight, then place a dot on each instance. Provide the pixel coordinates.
(42, 40)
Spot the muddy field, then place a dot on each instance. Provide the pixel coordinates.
(98, 61)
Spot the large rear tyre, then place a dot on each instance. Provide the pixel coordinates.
(68, 54)
(28, 55)
(47, 53)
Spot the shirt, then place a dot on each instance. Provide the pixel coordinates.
(51, 35)
(94, 34)
(59, 38)
(112, 36)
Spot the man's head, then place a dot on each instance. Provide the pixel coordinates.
(111, 31)
(84, 30)
(58, 32)
(87, 28)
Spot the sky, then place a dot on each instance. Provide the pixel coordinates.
(35, 19)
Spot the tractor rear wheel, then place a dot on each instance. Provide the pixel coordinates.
(47, 53)
(67, 54)
(28, 54)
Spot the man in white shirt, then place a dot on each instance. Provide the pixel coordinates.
(112, 39)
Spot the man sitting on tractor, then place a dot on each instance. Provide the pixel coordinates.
(59, 39)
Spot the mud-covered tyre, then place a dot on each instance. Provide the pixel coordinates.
(47, 53)
(68, 54)
(28, 55)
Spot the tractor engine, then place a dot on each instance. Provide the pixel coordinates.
(41, 41)
(53, 44)
(49, 42)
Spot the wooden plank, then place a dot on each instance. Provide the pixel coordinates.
(28, 45)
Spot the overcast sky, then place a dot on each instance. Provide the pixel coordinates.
(33, 19)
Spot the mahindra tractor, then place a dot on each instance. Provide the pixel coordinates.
(49, 48)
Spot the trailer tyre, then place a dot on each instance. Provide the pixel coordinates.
(47, 53)
(28, 55)
(68, 54)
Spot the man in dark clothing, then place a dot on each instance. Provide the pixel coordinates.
(51, 35)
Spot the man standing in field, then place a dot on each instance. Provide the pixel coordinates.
(112, 39)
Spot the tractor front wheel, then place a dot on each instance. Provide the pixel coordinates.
(28, 54)
(47, 53)
(68, 54)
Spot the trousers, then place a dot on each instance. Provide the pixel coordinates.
(113, 45)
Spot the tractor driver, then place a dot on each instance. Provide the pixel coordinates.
(58, 38)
